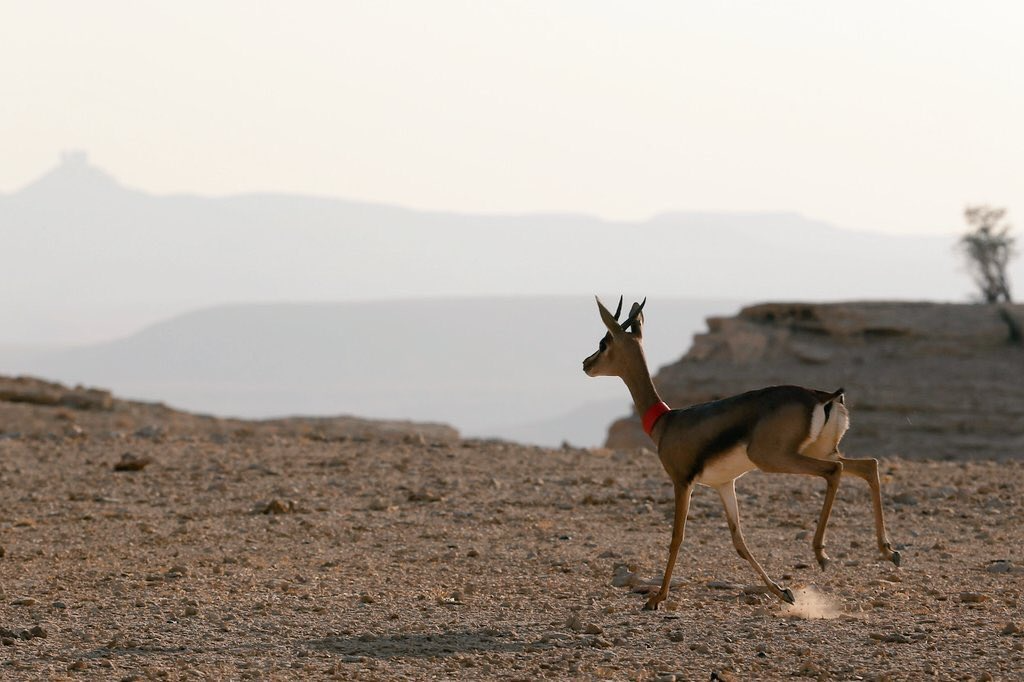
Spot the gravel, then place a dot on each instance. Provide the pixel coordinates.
(405, 558)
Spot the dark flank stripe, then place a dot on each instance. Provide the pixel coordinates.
(726, 440)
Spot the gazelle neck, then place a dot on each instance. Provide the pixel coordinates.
(641, 387)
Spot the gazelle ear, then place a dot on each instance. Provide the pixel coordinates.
(608, 318)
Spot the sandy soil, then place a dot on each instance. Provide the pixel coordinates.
(275, 554)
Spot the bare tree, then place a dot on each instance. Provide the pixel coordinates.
(988, 248)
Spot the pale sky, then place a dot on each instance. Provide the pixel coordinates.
(886, 116)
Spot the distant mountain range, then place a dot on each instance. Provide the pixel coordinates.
(249, 304)
(86, 258)
(508, 368)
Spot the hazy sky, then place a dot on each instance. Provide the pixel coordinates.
(873, 115)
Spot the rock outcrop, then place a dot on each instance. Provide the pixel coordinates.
(923, 380)
(36, 408)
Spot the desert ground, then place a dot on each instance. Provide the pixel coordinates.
(139, 544)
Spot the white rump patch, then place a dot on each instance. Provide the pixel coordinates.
(817, 424)
(826, 444)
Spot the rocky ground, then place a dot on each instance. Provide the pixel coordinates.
(138, 549)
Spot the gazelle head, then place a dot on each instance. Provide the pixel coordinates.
(621, 350)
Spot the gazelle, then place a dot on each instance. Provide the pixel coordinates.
(780, 429)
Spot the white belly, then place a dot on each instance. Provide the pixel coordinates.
(725, 467)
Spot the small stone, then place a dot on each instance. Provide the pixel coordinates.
(973, 597)
(1000, 566)
(78, 665)
(379, 504)
(905, 498)
(7, 641)
(593, 629)
(366, 599)
(59, 605)
(472, 553)
(574, 623)
(38, 631)
(276, 506)
(423, 496)
(131, 462)
(24, 601)
(1012, 629)
(809, 669)
(191, 611)
(601, 643)
(152, 432)
(623, 577)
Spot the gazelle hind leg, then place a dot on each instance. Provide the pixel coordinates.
(789, 462)
(867, 469)
(682, 507)
(732, 512)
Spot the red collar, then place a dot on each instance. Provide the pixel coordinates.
(652, 415)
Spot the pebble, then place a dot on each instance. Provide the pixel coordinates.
(973, 597)
(905, 498)
(1000, 566)
(276, 506)
(24, 601)
(131, 462)
(623, 577)
(1012, 629)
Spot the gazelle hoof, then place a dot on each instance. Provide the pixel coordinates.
(823, 562)
(787, 596)
(895, 558)
(652, 604)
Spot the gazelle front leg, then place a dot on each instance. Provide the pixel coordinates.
(682, 507)
(868, 470)
(732, 512)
